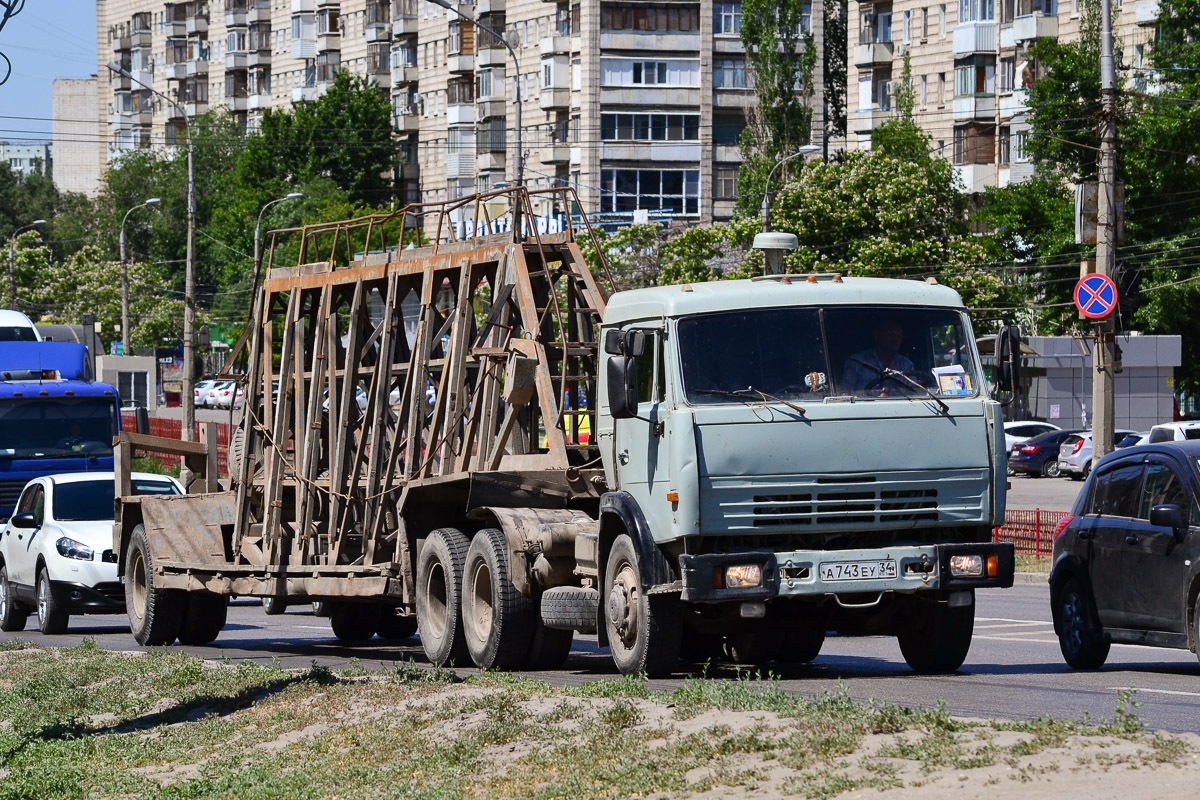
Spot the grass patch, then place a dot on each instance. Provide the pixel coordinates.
(1026, 563)
(84, 722)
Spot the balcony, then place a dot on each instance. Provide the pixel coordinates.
(489, 7)
(865, 121)
(1145, 12)
(649, 41)
(491, 57)
(460, 62)
(122, 43)
(404, 73)
(303, 49)
(379, 32)
(727, 153)
(873, 54)
(556, 45)
(656, 152)
(196, 25)
(175, 29)
(408, 122)
(195, 109)
(258, 58)
(974, 37)
(237, 103)
(460, 114)
(491, 107)
(327, 42)
(259, 13)
(140, 39)
(975, 177)
(175, 72)
(143, 76)
(1034, 26)
(977, 106)
(460, 165)
(551, 99)
(304, 6)
(237, 59)
(196, 66)
(411, 172)
(557, 153)
(304, 93)
(1015, 103)
(236, 17)
(257, 101)
(490, 162)
(404, 25)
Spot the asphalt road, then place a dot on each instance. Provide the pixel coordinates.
(1014, 670)
(1048, 494)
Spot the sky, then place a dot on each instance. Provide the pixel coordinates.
(49, 39)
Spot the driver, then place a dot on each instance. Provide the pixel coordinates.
(73, 439)
(857, 376)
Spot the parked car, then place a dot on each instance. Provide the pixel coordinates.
(1174, 432)
(1039, 455)
(1126, 558)
(201, 393)
(1132, 439)
(56, 555)
(1075, 454)
(16, 327)
(229, 395)
(1023, 430)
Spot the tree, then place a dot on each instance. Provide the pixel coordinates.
(835, 69)
(901, 136)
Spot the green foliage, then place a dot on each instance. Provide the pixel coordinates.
(835, 67)
(900, 136)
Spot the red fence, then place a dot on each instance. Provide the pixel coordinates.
(1031, 532)
(173, 429)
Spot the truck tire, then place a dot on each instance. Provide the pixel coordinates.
(644, 631)
(154, 614)
(937, 637)
(320, 608)
(393, 626)
(549, 647)
(52, 618)
(13, 616)
(204, 616)
(354, 623)
(497, 618)
(570, 608)
(439, 585)
(274, 606)
(1082, 644)
(801, 647)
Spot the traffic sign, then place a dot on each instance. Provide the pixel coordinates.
(1095, 296)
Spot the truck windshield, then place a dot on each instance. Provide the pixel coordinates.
(88, 501)
(57, 427)
(801, 353)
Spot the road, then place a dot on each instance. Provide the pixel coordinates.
(1048, 494)
(1014, 670)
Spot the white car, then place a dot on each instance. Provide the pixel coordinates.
(56, 555)
(1019, 431)
(1173, 432)
(1075, 453)
(203, 392)
(16, 327)
(228, 395)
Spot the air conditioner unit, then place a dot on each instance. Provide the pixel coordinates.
(889, 88)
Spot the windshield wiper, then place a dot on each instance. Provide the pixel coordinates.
(886, 372)
(741, 394)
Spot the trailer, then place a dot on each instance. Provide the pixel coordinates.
(472, 438)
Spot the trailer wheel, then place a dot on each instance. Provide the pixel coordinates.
(154, 614)
(937, 638)
(204, 617)
(497, 618)
(549, 648)
(570, 608)
(353, 623)
(439, 584)
(393, 626)
(644, 631)
(274, 606)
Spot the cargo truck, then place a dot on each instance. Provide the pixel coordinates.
(769, 460)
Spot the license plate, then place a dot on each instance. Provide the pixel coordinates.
(857, 570)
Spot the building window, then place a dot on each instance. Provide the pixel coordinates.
(1003, 150)
(924, 90)
(725, 180)
(650, 127)
(673, 191)
(663, 18)
(1007, 72)
(1020, 154)
(460, 90)
(805, 18)
(727, 128)
(974, 75)
(485, 83)
(974, 144)
(328, 65)
(727, 19)
(729, 73)
(942, 20)
(976, 10)
(906, 27)
(627, 72)
(328, 21)
(924, 24)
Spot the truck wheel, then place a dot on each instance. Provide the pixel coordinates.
(801, 647)
(204, 616)
(354, 623)
(753, 647)
(644, 631)
(937, 637)
(320, 608)
(154, 614)
(274, 606)
(12, 616)
(549, 647)
(393, 626)
(52, 618)
(570, 608)
(497, 618)
(1082, 645)
(439, 584)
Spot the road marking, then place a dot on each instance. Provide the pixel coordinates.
(1014, 625)
(1153, 691)
(1006, 619)
(1017, 639)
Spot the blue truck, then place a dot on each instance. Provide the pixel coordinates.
(53, 416)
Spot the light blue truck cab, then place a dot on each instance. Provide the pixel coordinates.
(53, 417)
(808, 454)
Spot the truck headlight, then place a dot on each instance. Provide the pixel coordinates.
(742, 576)
(69, 548)
(966, 566)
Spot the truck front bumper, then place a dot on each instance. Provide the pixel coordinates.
(800, 574)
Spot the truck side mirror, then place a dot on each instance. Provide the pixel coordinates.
(630, 343)
(1169, 516)
(622, 387)
(1008, 358)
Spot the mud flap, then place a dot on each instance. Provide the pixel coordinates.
(192, 529)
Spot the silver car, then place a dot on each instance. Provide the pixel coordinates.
(1075, 453)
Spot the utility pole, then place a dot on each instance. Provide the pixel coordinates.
(1104, 353)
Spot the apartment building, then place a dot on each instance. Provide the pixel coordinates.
(971, 69)
(24, 157)
(636, 103)
(76, 167)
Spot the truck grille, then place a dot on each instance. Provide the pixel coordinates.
(897, 500)
(10, 491)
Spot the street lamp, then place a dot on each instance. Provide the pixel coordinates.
(153, 201)
(519, 169)
(766, 203)
(12, 255)
(189, 283)
(258, 239)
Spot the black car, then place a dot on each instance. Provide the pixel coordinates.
(1126, 563)
(1039, 455)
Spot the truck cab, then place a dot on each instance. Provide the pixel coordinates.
(814, 452)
